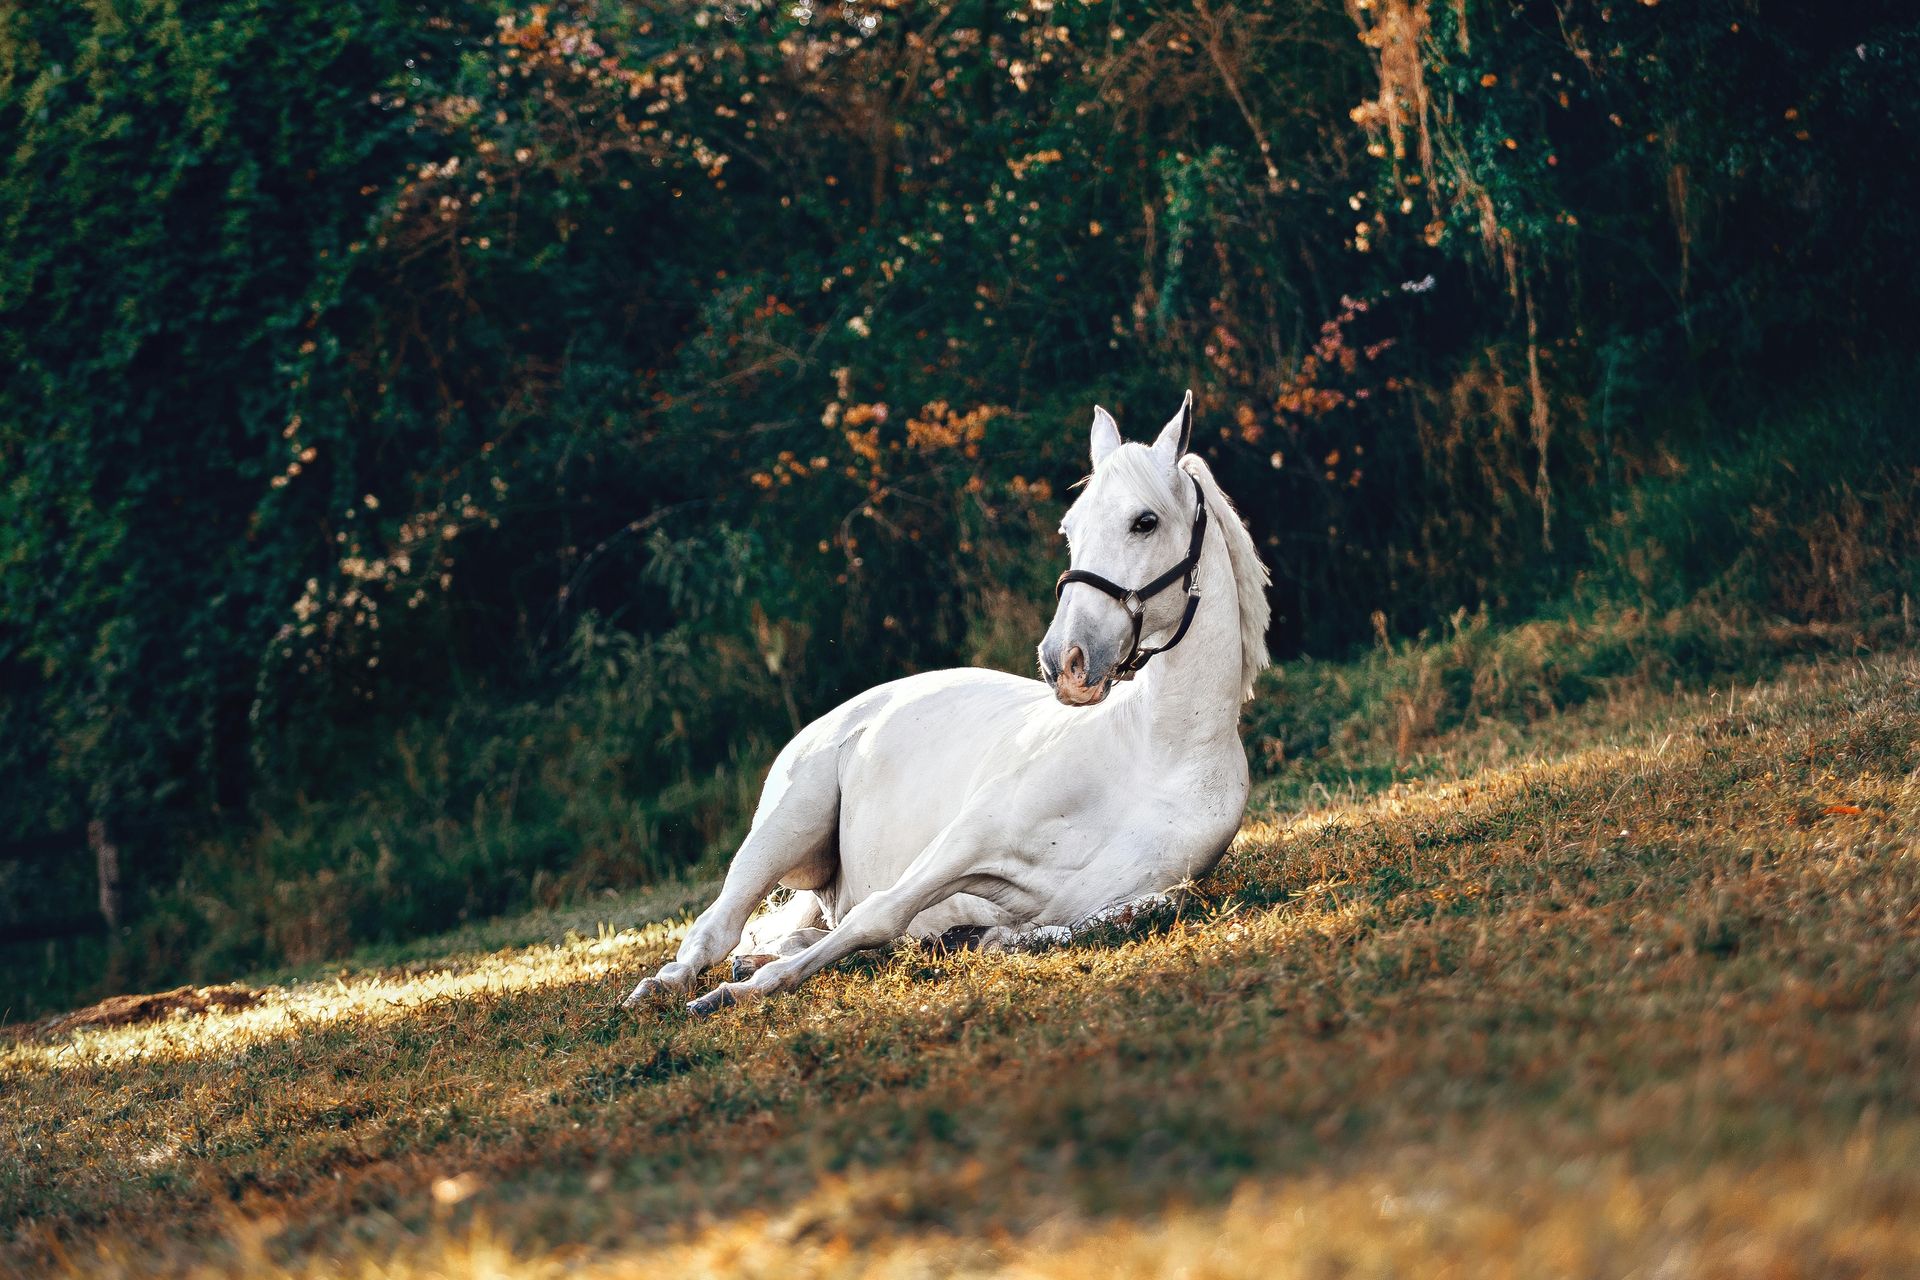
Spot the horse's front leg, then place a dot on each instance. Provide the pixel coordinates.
(950, 865)
(792, 829)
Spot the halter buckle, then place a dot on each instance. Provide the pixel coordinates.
(1133, 604)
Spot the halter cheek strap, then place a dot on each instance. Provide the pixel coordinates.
(1135, 602)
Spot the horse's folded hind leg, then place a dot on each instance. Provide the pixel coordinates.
(1131, 918)
(793, 832)
(781, 920)
(1031, 937)
(747, 963)
(1134, 916)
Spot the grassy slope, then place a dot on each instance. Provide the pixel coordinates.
(1649, 998)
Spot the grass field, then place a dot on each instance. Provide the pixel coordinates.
(1636, 992)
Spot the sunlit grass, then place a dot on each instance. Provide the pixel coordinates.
(1643, 1000)
(366, 1000)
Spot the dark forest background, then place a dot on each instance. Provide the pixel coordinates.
(446, 448)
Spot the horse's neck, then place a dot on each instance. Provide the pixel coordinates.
(1190, 695)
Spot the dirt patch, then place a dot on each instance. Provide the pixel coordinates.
(123, 1011)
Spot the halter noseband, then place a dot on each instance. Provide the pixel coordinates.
(1135, 602)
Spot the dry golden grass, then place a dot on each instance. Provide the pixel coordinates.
(1643, 1005)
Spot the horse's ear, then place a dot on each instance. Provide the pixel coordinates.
(1106, 435)
(1174, 438)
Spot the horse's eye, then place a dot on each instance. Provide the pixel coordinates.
(1147, 522)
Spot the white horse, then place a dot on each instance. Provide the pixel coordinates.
(973, 799)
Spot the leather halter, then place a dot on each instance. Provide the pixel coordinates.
(1135, 602)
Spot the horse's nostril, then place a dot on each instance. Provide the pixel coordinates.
(1076, 664)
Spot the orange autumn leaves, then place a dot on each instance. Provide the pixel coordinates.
(1333, 375)
(938, 434)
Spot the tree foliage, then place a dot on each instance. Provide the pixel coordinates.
(364, 360)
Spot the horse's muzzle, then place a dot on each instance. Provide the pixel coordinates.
(1072, 687)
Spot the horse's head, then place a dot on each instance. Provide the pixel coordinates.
(1133, 521)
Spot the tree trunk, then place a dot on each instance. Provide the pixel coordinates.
(106, 861)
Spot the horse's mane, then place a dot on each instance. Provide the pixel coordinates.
(1135, 466)
(1250, 575)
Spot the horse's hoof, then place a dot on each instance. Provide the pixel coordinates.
(713, 1002)
(644, 993)
(743, 967)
